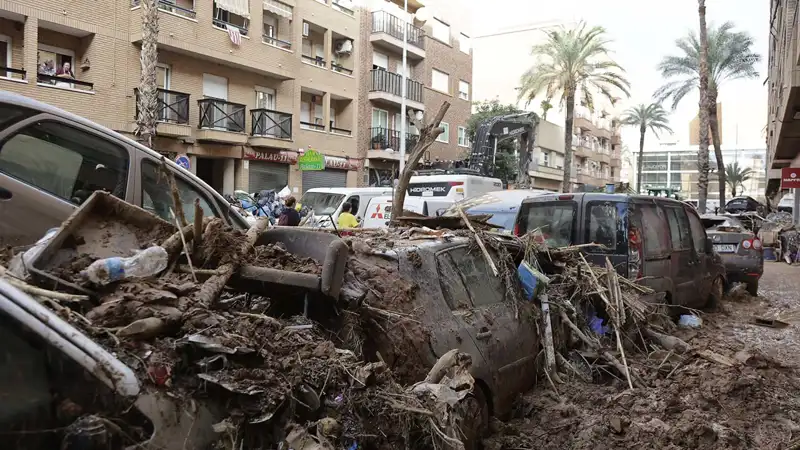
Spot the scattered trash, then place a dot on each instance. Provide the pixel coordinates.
(690, 321)
(771, 323)
(533, 282)
(596, 325)
(143, 264)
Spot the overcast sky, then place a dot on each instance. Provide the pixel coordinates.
(644, 32)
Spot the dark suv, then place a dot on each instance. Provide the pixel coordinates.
(659, 241)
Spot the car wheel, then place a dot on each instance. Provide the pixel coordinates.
(752, 288)
(475, 424)
(717, 291)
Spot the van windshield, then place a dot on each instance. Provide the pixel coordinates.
(550, 222)
(503, 220)
(323, 203)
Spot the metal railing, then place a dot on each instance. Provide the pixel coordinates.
(286, 45)
(217, 114)
(172, 106)
(383, 22)
(223, 24)
(336, 4)
(383, 138)
(312, 126)
(341, 69)
(170, 7)
(385, 81)
(344, 131)
(266, 122)
(315, 60)
(9, 72)
(69, 83)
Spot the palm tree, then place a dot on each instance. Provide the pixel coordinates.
(652, 117)
(735, 176)
(147, 99)
(572, 59)
(730, 57)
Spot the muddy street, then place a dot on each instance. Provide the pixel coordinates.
(738, 389)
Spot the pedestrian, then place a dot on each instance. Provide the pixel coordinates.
(346, 219)
(289, 216)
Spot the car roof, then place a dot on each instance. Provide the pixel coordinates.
(602, 196)
(41, 107)
(339, 190)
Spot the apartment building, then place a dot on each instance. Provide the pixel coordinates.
(597, 146)
(783, 124)
(439, 68)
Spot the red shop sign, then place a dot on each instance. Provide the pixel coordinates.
(790, 177)
(333, 162)
(281, 157)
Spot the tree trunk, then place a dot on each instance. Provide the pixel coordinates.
(427, 136)
(702, 152)
(147, 96)
(642, 131)
(566, 184)
(715, 138)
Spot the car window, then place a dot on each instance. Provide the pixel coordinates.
(64, 161)
(604, 226)
(502, 219)
(355, 202)
(483, 287)
(323, 203)
(553, 221)
(655, 231)
(451, 282)
(157, 195)
(13, 113)
(679, 230)
(698, 233)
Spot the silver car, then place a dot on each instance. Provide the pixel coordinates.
(740, 249)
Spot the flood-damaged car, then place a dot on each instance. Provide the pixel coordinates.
(741, 251)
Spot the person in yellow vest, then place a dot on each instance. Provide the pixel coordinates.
(346, 219)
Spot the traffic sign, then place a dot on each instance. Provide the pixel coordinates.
(183, 161)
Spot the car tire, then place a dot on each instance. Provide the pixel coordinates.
(716, 294)
(475, 424)
(752, 288)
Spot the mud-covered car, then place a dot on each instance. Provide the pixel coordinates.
(454, 301)
(741, 251)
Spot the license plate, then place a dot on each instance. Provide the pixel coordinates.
(724, 248)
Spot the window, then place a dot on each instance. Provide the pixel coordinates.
(464, 43)
(440, 81)
(463, 139)
(546, 159)
(5, 54)
(440, 31)
(552, 222)
(482, 287)
(54, 61)
(463, 90)
(380, 61)
(654, 229)
(679, 229)
(65, 162)
(453, 290)
(224, 17)
(445, 136)
(698, 233)
(380, 118)
(157, 196)
(603, 222)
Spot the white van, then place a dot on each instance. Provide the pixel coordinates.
(379, 210)
(327, 203)
(439, 185)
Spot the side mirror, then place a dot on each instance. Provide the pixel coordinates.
(709, 246)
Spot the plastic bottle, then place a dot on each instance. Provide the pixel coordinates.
(146, 263)
(690, 321)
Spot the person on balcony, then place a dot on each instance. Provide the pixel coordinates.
(65, 72)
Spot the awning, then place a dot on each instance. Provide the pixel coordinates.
(238, 7)
(276, 7)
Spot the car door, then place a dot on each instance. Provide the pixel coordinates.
(682, 260)
(702, 270)
(155, 194)
(507, 343)
(48, 166)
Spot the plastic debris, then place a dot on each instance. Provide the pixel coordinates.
(690, 321)
(146, 263)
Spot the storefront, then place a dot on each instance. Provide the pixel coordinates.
(334, 175)
(269, 170)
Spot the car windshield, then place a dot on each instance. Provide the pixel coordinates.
(504, 220)
(323, 203)
(551, 223)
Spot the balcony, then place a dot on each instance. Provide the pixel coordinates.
(318, 61)
(387, 87)
(385, 138)
(341, 69)
(270, 128)
(387, 32)
(221, 121)
(179, 8)
(340, 131)
(12, 74)
(275, 42)
(343, 6)
(172, 112)
(316, 126)
(551, 173)
(64, 83)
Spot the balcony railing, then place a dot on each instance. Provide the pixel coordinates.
(10, 72)
(383, 22)
(312, 126)
(224, 25)
(383, 138)
(343, 131)
(172, 106)
(286, 45)
(268, 123)
(338, 5)
(69, 83)
(341, 69)
(315, 60)
(170, 7)
(217, 114)
(385, 81)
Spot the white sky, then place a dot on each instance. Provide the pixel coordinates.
(643, 32)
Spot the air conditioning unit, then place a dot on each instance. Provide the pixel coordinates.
(305, 29)
(344, 47)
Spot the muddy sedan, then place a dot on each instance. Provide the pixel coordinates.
(740, 249)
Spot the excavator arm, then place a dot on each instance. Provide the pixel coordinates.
(497, 129)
